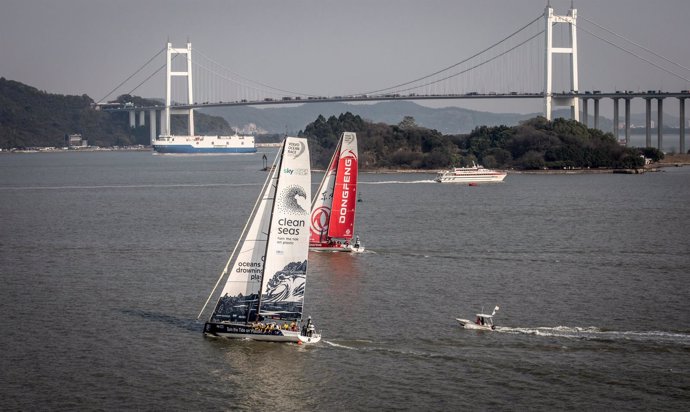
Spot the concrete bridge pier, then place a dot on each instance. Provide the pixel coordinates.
(681, 124)
(164, 125)
(615, 118)
(596, 113)
(585, 116)
(627, 122)
(660, 123)
(648, 121)
(152, 123)
(132, 119)
(142, 118)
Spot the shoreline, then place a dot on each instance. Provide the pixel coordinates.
(672, 160)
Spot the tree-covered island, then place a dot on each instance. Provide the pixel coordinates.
(534, 144)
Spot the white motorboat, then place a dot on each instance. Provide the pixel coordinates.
(482, 322)
(473, 174)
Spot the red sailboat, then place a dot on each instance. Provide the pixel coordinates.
(333, 207)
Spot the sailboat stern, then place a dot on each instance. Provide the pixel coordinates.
(315, 338)
(265, 333)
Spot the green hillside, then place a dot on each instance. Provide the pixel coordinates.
(33, 118)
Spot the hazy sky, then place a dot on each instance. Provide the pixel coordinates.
(322, 47)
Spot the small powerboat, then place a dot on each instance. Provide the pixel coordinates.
(483, 321)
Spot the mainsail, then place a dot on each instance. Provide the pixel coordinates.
(285, 268)
(268, 275)
(333, 208)
(342, 220)
(321, 206)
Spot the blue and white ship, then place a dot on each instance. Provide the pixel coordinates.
(191, 143)
(204, 144)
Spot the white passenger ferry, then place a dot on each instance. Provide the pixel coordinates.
(473, 174)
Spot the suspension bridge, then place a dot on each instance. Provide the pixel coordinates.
(533, 62)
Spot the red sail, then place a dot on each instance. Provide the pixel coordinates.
(342, 220)
(321, 206)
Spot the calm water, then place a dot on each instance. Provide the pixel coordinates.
(106, 259)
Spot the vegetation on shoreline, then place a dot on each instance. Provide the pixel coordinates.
(534, 144)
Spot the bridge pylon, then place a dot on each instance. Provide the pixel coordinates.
(550, 20)
(165, 125)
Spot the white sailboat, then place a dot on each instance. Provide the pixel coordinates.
(263, 295)
(333, 207)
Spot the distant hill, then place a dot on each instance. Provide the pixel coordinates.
(449, 120)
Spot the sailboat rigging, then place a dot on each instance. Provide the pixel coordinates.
(263, 296)
(333, 208)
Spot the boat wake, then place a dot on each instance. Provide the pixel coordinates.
(594, 333)
(143, 186)
(336, 345)
(200, 154)
(388, 182)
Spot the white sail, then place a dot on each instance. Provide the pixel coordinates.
(263, 296)
(239, 298)
(288, 241)
(323, 199)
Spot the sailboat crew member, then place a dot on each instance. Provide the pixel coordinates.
(310, 327)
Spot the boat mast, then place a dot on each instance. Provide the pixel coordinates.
(324, 235)
(239, 242)
(268, 235)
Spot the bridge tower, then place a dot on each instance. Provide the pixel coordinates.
(550, 20)
(165, 123)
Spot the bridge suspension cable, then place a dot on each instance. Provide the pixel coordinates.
(146, 79)
(134, 74)
(469, 68)
(259, 89)
(240, 76)
(636, 44)
(245, 81)
(635, 55)
(456, 64)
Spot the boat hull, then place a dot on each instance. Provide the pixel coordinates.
(468, 324)
(241, 331)
(204, 144)
(187, 149)
(336, 248)
(472, 174)
(498, 178)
